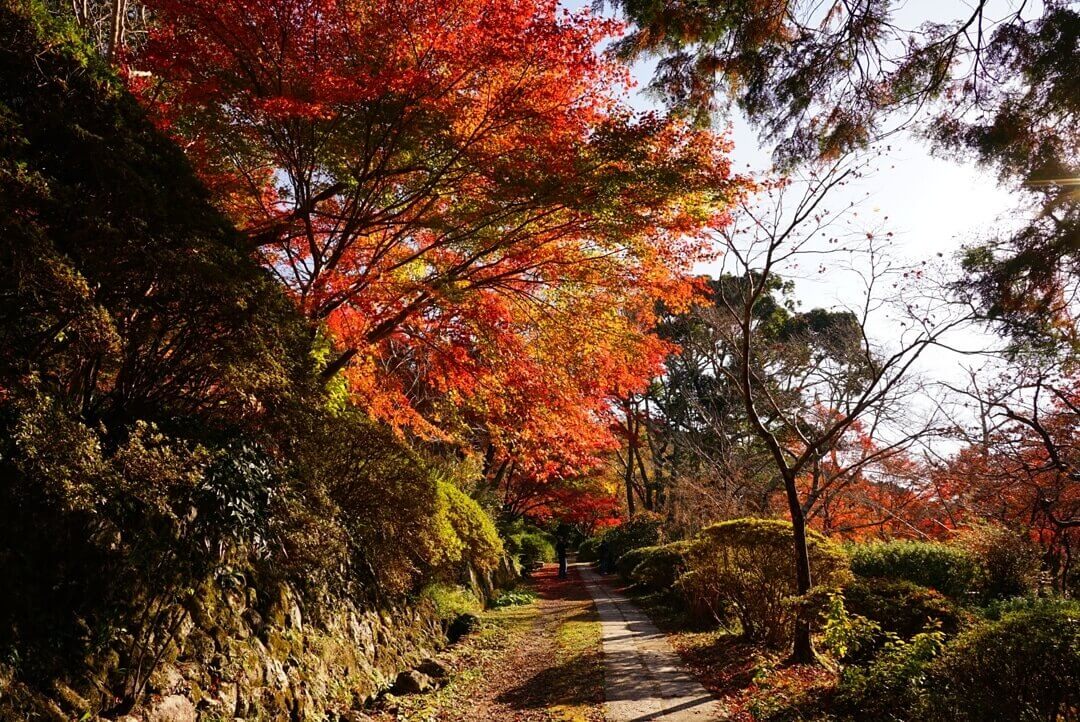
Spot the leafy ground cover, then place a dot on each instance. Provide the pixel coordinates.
(749, 679)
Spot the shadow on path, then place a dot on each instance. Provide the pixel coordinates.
(571, 673)
(643, 676)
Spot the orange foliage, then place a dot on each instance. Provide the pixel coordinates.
(1025, 476)
(454, 191)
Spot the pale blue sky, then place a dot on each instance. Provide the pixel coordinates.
(932, 205)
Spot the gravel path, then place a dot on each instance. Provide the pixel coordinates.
(643, 676)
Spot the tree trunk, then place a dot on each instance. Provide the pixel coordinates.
(336, 365)
(649, 500)
(803, 644)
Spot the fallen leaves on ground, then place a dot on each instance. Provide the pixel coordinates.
(538, 662)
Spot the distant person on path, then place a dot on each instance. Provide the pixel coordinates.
(605, 557)
(560, 551)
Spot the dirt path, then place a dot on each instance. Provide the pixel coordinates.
(535, 663)
(644, 677)
(581, 653)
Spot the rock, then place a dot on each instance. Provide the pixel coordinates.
(274, 673)
(353, 715)
(235, 599)
(174, 708)
(167, 680)
(412, 682)
(463, 624)
(241, 707)
(253, 619)
(293, 619)
(70, 697)
(433, 668)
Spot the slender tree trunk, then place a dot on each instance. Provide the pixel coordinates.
(803, 647)
(649, 500)
(631, 506)
(117, 28)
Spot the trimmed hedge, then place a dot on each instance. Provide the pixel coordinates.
(625, 564)
(589, 550)
(1021, 667)
(642, 530)
(1024, 666)
(465, 533)
(900, 606)
(530, 545)
(661, 566)
(948, 569)
(743, 570)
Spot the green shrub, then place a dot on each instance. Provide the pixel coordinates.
(467, 535)
(1023, 666)
(660, 566)
(642, 530)
(536, 549)
(361, 501)
(998, 608)
(744, 569)
(900, 606)
(589, 550)
(451, 600)
(948, 569)
(625, 564)
(849, 637)
(530, 545)
(893, 686)
(1009, 563)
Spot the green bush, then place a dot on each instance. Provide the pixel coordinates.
(744, 569)
(451, 600)
(625, 564)
(530, 545)
(893, 686)
(466, 534)
(1009, 563)
(589, 550)
(642, 530)
(900, 606)
(849, 637)
(998, 608)
(365, 511)
(536, 549)
(1024, 666)
(948, 569)
(660, 566)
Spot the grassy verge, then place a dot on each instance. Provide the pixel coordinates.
(468, 663)
(578, 678)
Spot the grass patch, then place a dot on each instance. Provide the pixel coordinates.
(469, 662)
(513, 598)
(452, 600)
(580, 664)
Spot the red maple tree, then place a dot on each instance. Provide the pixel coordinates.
(454, 192)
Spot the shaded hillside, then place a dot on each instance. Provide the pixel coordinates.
(177, 494)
